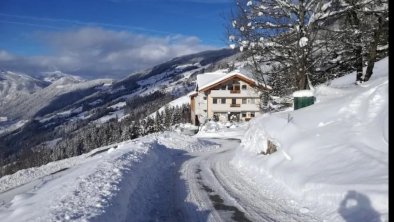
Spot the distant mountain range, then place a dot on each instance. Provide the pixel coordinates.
(35, 110)
(24, 97)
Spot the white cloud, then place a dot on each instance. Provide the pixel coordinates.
(5, 56)
(98, 52)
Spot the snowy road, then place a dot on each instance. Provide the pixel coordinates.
(203, 186)
(154, 181)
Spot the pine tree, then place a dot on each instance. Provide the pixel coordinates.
(177, 115)
(135, 130)
(167, 116)
(158, 126)
(149, 126)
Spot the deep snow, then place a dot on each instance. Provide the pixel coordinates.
(97, 185)
(332, 155)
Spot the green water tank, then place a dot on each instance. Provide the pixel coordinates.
(303, 98)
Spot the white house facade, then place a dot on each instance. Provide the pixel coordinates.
(223, 97)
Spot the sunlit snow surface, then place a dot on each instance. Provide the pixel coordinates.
(333, 155)
(93, 186)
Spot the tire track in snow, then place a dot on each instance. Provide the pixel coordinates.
(212, 180)
(218, 202)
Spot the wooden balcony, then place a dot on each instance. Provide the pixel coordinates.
(235, 91)
(235, 105)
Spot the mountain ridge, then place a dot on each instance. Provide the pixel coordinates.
(68, 108)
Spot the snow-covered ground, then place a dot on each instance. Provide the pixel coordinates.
(97, 185)
(333, 155)
(221, 192)
(160, 177)
(9, 126)
(214, 129)
(176, 102)
(112, 115)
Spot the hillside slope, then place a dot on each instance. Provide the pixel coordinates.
(53, 118)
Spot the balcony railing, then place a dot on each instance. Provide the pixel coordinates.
(235, 105)
(235, 91)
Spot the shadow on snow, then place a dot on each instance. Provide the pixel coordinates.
(356, 207)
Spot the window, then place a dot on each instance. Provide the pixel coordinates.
(223, 87)
(244, 101)
(223, 100)
(243, 115)
(204, 98)
(243, 87)
(215, 101)
(233, 101)
(251, 114)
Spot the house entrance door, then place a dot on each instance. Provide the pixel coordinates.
(234, 116)
(197, 122)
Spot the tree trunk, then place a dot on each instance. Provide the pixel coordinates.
(372, 50)
(355, 23)
(301, 80)
(359, 64)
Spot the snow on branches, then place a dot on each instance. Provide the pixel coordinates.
(300, 37)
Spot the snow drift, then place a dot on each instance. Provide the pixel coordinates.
(223, 130)
(333, 155)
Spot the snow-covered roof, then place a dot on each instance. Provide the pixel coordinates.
(207, 79)
(193, 93)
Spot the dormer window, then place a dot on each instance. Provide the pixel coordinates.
(236, 87)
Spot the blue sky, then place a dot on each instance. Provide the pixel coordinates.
(37, 31)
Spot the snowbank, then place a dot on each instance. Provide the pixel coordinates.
(332, 155)
(95, 186)
(184, 142)
(79, 188)
(229, 130)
